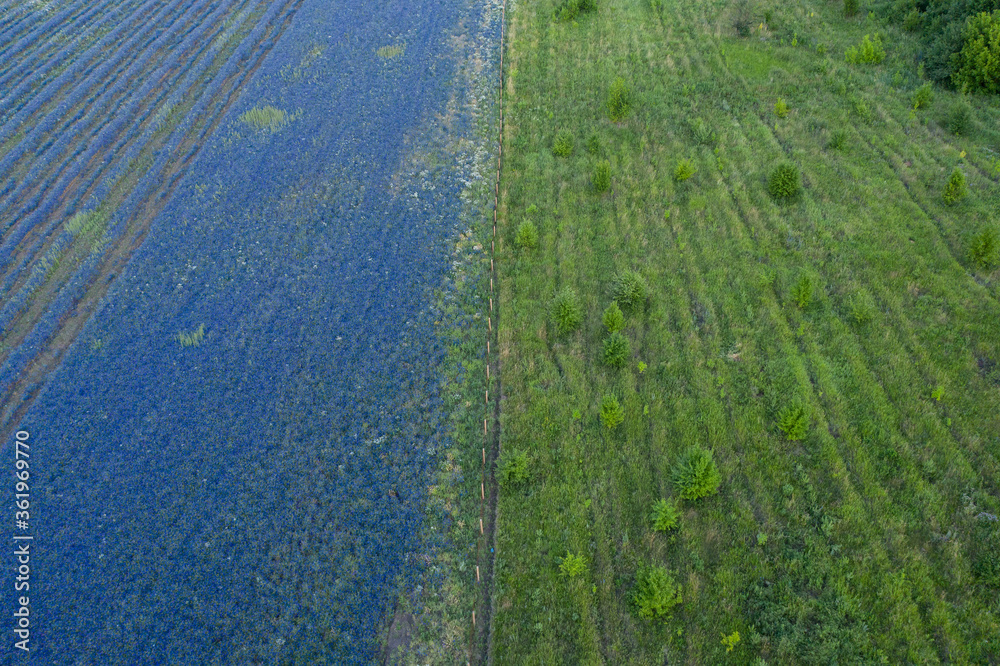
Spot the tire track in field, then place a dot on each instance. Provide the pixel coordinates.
(134, 226)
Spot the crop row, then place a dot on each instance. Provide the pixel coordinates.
(121, 169)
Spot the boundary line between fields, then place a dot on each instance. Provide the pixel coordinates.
(486, 584)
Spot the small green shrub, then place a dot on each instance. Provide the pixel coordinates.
(666, 515)
(685, 169)
(701, 132)
(562, 146)
(619, 100)
(984, 547)
(527, 235)
(984, 248)
(731, 641)
(602, 176)
(868, 52)
(838, 139)
(572, 565)
(513, 468)
(566, 312)
(617, 350)
(923, 96)
(977, 65)
(959, 120)
(594, 144)
(784, 182)
(913, 21)
(613, 318)
(955, 189)
(862, 307)
(802, 292)
(743, 18)
(655, 593)
(630, 290)
(780, 108)
(794, 422)
(850, 7)
(694, 474)
(612, 412)
(570, 9)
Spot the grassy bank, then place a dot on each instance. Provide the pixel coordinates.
(857, 307)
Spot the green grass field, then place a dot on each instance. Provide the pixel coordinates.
(868, 540)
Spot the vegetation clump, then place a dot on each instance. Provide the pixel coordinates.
(923, 96)
(701, 132)
(868, 52)
(666, 515)
(785, 182)
(192, 339)
(850, 7)
(802, 292)
(685, 169)
(794, 422)
(527, 235)
(984, 249)
(613, 318)
(862, 307)
(838, 140)
(619, 100)
(513, 468)
(630, 290)
(594, 144)
(612, 412)
(602, 176)
(572, 565)
(562, 146)
(977, 65)
(616, 350)
(955, 188)
(781, 108)
(959, 119)
(655, 593)
(743, 18)
(570, 9)
(694, 475)
(566, 312)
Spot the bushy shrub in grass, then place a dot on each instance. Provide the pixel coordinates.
(572, 565)
(619, 100)
(594, 144)
(985, 550)
(702, 132)
(656, 593)
(802, 292)
(862, 307)
(570, 9)
(562, 146)
(694, 474)
(913, 21)
(527, 235)
(781, 108)
(838, 140)
(743, 18)
(959, 120)
(955, 188)
(566, 312)
(612, 412)
(616, 350)
(785, 182)
(977, 65)
(794, 422)
(984, 248)
(868, 52)
(684, 170)
(630, 290)
(613, 318)
(923, 96)
(850, 7)
(602, 176)
(666, 515)
(513, 468)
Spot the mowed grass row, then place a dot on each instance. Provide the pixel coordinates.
(856, 303)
